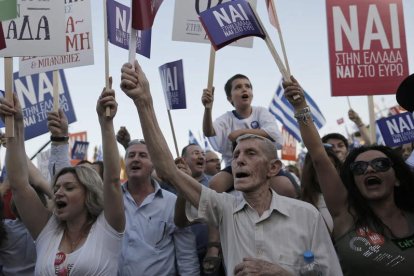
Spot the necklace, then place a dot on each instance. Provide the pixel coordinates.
(74, 244)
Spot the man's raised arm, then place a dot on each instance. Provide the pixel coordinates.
(135, 85)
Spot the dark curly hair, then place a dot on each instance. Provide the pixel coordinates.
(403, 194)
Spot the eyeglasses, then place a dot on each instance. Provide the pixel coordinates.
(381, 164)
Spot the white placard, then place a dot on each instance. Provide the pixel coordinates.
(187, 27)
(39, 29)
(79, 48)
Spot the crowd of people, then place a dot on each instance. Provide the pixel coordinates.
(352, 208)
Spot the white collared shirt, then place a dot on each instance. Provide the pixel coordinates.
(281, 235)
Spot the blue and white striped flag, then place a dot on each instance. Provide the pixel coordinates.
(192, 139)
(283, 111)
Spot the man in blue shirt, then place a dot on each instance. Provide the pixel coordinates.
(152, 244)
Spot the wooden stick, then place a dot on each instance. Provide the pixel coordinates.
(211, 66)
(107, 110)
(132, 45)
(173, 133)
(372, 124)
(56, 90)
(132, 39)
(349, 102)
(272, 49)
(8, 86)
(282, 43)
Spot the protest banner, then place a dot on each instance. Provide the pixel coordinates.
(172, 79)
(118, 18)
(79, 43)
(398, 129)
(228, 22)
(38, 31)
(143, 13)
(35, 96)
(289, 146)
(187, 26)
(367, 46)
(8, 9)
(2, 39)
(73, 137)
(80, 150)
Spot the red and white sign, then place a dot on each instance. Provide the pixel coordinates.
(289, 146)
(367, 46)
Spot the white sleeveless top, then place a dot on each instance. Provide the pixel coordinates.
(99, 254)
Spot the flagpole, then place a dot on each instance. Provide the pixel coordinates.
(372, 128)
(107, 110)
(173, 133)
(132, 40)
(349, 102)
(56, 90)
(8, 87)
(211, 66)
(272, 50)
(279, 30)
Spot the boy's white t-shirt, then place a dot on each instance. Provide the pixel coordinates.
(99, 255)
(260, 118)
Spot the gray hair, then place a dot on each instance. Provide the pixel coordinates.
(268, 146)
(133, 142)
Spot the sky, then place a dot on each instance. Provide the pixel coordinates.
(303, 24)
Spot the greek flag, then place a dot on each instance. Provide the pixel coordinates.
(283, 111)
(192, 139)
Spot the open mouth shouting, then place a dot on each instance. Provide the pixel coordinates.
(239, 175)
(60, 204)
(372, 181)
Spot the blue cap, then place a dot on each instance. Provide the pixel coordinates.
(308, 256)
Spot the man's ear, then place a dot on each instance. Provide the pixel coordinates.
(275, 166)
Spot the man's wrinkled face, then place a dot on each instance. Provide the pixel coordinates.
(251, 166)
(195, 159)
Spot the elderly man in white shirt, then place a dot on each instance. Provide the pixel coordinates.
(262, 232)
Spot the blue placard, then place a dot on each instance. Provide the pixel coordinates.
(172, 78)
(35, 93)
(80, 150)
(230, 21)
(118, 32)
(398, 129)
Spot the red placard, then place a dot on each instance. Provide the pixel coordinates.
(2, 40)
(289, 146)
(367, 46)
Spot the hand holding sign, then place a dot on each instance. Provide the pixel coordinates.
(57, 123)
(134, 83)
(7, 108)
(208, 98)
(107, 101)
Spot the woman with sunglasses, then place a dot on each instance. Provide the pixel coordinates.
(371, 203)
(83, 235)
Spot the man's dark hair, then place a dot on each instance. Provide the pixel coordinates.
(184, 151)
(228, 85)
(335, 136)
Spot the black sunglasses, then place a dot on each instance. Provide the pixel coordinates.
(381, 164)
